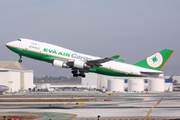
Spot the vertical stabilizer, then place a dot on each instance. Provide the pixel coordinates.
(156, 61)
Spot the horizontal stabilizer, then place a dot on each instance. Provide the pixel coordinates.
(152, 73)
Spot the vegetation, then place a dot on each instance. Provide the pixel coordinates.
(175, 81)
(60, 79)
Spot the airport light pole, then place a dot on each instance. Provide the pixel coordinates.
(98, 116)
(4, 117)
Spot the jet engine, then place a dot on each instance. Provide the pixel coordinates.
(80, 64)
(60, 64)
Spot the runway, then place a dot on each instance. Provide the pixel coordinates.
(121, 106)
(87, 113)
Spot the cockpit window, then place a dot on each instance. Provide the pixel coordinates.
(19, 39)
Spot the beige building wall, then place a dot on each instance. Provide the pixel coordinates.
(14, 81)
(22, 80)
(4, 78)
(28, 80)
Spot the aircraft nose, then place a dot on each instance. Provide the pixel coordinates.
(11, 44)
(8, 44)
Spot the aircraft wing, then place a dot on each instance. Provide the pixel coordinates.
(90, 63)
(98, 62)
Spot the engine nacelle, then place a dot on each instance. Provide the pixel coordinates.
(60, 64)
(80, 64)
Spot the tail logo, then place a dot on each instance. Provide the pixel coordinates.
(155, 60)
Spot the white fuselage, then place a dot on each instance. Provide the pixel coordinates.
(52, 50)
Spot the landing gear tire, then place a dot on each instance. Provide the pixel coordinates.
(75, 73)
(20, 59)
(82, 75)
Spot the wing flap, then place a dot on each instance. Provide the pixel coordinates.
(99, 61)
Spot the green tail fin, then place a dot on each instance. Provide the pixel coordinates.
(156, 61)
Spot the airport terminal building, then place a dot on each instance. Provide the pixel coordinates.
(15, 76)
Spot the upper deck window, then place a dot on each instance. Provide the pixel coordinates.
(19, 39)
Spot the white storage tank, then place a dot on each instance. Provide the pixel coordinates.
(156, 85)
(115, 85)
(136, 85)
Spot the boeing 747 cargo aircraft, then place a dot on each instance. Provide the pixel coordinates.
(82, 63)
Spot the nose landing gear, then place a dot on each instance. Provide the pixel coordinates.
(20, 60)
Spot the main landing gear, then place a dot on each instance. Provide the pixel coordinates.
(20, 59)
(77, 73)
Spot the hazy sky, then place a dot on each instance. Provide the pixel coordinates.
(135, 29)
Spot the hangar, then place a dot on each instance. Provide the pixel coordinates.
(15, 76)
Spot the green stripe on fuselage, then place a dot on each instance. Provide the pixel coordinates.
(111, 72)
(34, 55)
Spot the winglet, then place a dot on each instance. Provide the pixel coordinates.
(116, 57)
(122, 60)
